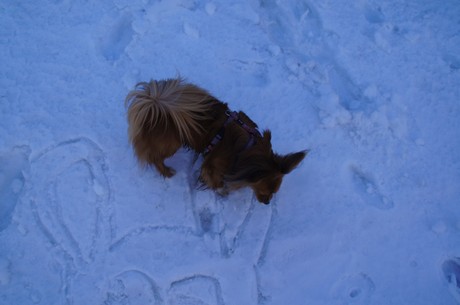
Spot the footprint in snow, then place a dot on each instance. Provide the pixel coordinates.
(373, 14)
(368, 190)
(116, 38)
(297, 25)
(383, 33)
(451, 271)
(452, 61)
(12, 165)
(354, 289)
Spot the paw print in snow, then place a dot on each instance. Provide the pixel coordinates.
(451, 271)
(369, 191)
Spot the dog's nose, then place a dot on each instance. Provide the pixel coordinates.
(266, 202)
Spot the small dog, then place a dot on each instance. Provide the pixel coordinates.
(169, 114)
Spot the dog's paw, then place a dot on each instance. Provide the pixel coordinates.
(165, 171)
(169, 172)
(223, 191)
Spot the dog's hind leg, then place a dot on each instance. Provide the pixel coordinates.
(161, 153)
(164, 170)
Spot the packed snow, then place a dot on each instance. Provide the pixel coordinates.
(371, 216)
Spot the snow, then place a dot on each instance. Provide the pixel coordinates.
(370, 217)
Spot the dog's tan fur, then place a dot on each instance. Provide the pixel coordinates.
(166, 115)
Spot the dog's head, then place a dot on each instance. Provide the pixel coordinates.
(263, 170)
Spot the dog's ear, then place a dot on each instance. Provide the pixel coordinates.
(267, 135)
(288, 162)
(266, 140)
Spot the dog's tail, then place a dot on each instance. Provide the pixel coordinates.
(157, 104)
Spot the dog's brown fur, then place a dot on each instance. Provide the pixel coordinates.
(166, 115)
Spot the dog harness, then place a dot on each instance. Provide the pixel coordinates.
(233, 116)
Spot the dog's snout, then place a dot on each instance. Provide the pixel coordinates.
(264, 199)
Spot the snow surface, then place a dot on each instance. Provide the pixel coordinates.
(372, 215)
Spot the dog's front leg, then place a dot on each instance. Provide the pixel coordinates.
(211, 178)
(212, 173)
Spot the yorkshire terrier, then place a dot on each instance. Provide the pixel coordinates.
(169, 114)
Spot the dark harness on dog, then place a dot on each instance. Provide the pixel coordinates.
(232, 116)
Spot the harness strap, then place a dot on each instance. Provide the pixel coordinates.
(233, 116)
